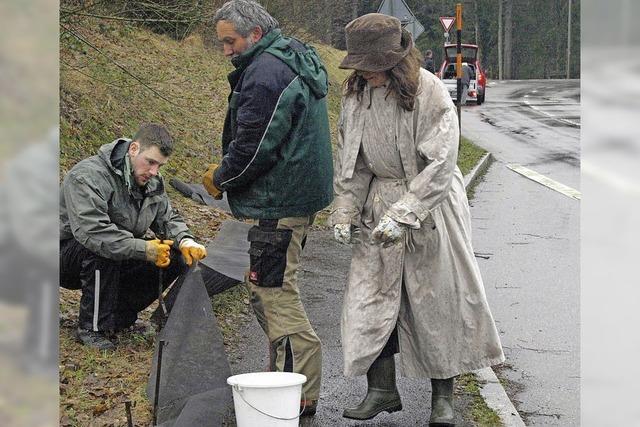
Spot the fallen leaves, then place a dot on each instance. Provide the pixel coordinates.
(99, 409)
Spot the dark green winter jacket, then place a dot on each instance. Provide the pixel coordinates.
(276, 144)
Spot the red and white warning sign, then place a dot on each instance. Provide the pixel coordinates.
(447, 22)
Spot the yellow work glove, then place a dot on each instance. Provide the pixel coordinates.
(159, 252)
(207, 181)
(191, 250)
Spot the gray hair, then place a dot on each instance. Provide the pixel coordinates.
(245, 15)
(151, 134)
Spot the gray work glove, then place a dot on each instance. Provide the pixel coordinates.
(388, 231)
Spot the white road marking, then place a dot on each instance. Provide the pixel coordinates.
(560, 119)
(547, 182)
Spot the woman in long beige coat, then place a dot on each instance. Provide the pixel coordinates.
(414, 287)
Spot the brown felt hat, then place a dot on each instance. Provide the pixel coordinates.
(375, 42)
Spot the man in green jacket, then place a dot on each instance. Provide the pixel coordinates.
(108, 202)
(277, 171)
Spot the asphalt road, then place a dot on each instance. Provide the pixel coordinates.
(527, 238)
(322, 278)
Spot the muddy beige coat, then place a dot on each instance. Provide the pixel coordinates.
(445, 327)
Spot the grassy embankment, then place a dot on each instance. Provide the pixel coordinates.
(99, 102)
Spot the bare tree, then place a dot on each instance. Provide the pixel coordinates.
(475, 22)
(569, 39)
(508, 39)
(500, 63)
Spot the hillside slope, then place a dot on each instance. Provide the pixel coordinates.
(112, 78)
(182, 84)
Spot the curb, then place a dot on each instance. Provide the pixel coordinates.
(496, 398)
(491, 389)
(477, 171)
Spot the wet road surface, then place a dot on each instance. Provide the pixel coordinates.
(528, 236)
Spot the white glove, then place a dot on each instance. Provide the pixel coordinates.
(342, 233)
(191, 250)
(388, 231)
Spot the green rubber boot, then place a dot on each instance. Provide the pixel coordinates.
(382, 393)
(442, 403)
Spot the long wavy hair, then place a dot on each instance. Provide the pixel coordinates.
(404, 81)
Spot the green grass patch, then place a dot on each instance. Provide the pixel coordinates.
(480, 412)
(469, 155)
(185, 88)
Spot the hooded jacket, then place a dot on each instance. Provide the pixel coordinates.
(100, 211)
(276, 144)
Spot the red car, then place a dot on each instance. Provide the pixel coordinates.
(447, 72)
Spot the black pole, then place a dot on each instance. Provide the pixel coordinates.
(127, 407)
(162, 306)
(158, 371)
(162, 226)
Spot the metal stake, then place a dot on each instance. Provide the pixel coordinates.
(127, 408)
(158, 371)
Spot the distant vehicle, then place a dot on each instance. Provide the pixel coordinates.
(447, 72)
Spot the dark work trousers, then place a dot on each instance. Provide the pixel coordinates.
(391, 347)
(113, 292)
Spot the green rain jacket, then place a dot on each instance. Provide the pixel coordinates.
(109, 217)
(276, 144)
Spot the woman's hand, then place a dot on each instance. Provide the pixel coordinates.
(388, 231)
(342, 233)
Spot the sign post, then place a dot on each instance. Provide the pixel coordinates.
(459, 67)
(400, 10)
(447, 23)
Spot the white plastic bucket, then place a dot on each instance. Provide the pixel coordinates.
(267, 398)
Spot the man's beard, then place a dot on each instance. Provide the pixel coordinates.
(250, 44)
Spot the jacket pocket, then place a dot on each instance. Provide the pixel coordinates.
(268, 255)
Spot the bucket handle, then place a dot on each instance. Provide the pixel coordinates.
(239, 390)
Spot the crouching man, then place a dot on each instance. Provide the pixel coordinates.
(108, 202)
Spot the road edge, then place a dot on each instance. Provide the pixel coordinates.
(496, 398)
(478, 170)
(491, 389)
